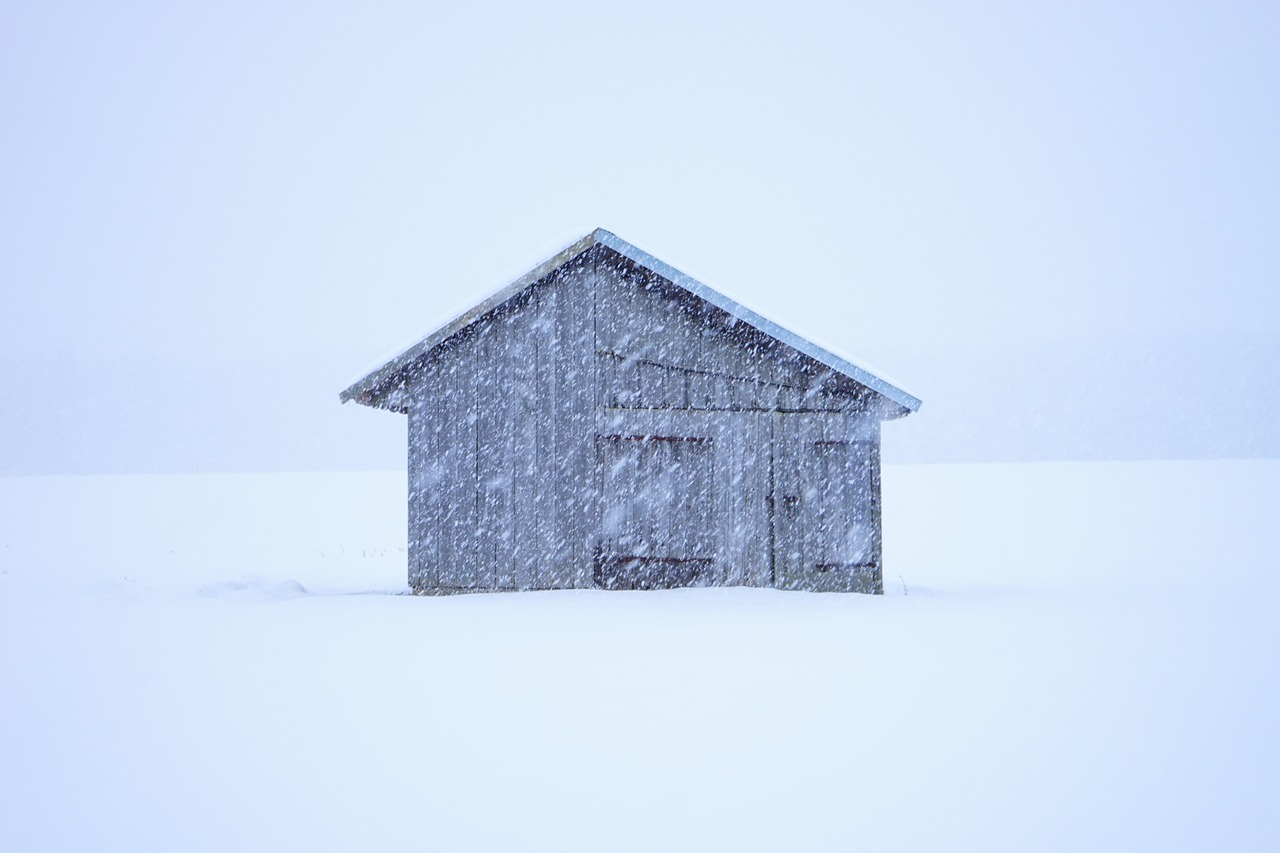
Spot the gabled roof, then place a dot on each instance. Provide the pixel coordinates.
(599, 236)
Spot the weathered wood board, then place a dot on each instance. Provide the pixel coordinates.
(605, 428)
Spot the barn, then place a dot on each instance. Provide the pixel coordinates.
(606, 421)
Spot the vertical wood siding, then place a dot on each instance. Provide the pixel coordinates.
(607, 428)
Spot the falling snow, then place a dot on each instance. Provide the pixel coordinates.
(606, 421)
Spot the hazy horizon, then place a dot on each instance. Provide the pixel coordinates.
(1056, 225)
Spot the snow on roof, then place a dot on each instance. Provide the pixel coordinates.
(839, 364)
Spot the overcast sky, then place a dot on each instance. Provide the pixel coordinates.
(257, 183)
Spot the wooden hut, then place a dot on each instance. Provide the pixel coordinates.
(606, 421)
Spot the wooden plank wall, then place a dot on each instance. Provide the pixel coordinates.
(501, 457)
(658, 346)
(572, 466)
(505, 472)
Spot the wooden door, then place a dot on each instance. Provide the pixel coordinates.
(683, 500)
(824, 523)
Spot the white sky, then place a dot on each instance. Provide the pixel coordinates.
(219, 182)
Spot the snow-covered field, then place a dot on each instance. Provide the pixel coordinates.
(1074, 656)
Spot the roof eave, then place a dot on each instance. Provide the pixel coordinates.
(368, 391)
(765, 325)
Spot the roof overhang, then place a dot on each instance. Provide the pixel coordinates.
(367, 390)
